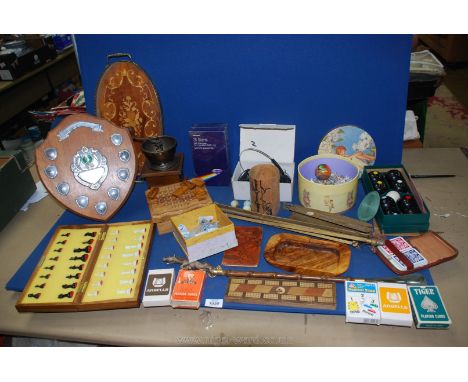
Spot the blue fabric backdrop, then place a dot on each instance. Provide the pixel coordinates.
(316, 82)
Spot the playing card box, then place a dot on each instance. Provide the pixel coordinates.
(428, 308)
(405, 256)
(395, 306)
(362, 302)
(158, 287)
(188, 289)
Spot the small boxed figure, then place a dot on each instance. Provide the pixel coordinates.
(428, 308)
(204, 232)
(265, 143)
(210, 153)
(362, 302)
(188, 289)
(158, 288)
(394, 305)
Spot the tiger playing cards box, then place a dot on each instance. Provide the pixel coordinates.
(395, 306)
(428, 308)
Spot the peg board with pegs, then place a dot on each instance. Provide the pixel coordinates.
(297, 293)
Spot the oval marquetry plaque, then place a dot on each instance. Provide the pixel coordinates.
(126, 97)
(307, 256)
(88, 165)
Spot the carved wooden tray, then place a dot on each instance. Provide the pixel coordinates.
(307, 256)
(126, 97)
(88, 165)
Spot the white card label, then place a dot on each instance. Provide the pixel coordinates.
(214, 303)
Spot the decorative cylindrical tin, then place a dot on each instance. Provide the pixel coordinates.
(328, 197)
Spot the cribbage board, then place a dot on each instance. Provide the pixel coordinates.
(90, 267)
(163, 204)
(306, 294)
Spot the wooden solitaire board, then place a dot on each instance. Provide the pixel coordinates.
(106, 274)
(297, 293)
(165, 202)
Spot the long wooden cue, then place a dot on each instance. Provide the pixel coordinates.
(415, 278)
(291, 225)
(332, 218)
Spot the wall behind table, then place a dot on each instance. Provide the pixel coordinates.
(314, 82)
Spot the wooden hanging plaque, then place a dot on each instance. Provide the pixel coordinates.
(307, 256)
(88, 165)
(126, 97)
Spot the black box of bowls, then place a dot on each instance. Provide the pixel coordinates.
(401, 208)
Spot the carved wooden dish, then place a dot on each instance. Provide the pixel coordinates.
(126, 97)
(307, 256)
(88, 165)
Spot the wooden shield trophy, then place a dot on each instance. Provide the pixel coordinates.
(88, 165)
(126, 97)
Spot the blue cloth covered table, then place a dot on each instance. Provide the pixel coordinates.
(363, 262)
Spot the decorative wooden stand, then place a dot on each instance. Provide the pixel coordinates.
(156, 178)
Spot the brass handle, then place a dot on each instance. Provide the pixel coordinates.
(118, 55)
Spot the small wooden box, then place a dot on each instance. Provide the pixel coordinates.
(108, 275)
(208, 243)
(163, 202)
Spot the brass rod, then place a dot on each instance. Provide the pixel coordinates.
(290, 228)
(329, 217)
(315, 223)
(414, 279)
(291, 224)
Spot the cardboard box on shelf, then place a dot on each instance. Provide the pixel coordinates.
(17, 184)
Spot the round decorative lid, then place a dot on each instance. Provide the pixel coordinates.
(88, 165)
(352, 142)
